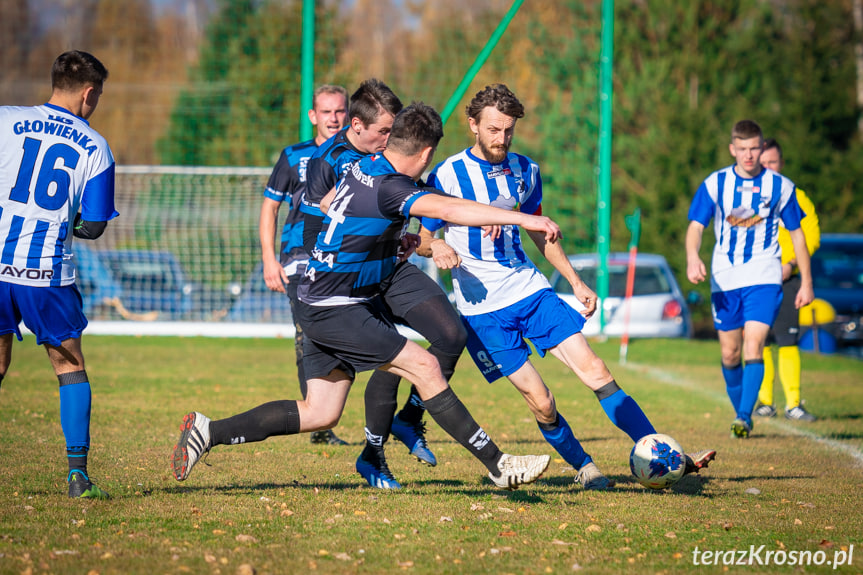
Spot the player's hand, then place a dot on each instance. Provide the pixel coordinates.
(545, 225)
(696, 270)
(491, 232)
(444, 256)
(587, 297)
(408, 247)
(275, 276)
(805, 295)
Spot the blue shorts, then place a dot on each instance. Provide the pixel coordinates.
(496, 340)
(53, 314)
(732, 309)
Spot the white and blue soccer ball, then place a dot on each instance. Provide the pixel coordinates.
(657, 461)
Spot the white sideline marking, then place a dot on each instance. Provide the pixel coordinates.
(670, 378)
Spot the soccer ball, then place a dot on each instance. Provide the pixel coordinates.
(657, 461)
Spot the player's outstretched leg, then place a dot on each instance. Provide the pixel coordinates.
(194, 441)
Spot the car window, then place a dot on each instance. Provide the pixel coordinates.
(838, 267)
(649, 280)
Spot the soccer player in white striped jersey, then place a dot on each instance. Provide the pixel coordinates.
(746, 202)
(504, 299)
(56, 182)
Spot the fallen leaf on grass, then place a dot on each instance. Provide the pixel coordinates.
(671, 535)
(506, 534)
(593, 528)
(826, 544)
(342, 556)
(753, 491)
(562, 526)
(245, 569)
(445, 519)
(405, 564)
(798, 522)
(209, 558)
(243, 538)
(677, 555)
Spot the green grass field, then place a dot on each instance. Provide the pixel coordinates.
(286, 506)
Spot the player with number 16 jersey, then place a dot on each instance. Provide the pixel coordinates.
(52, 164)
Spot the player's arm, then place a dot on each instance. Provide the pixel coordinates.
(274, 274)
(696, 271)
(555, 255)
(87, 230)
(469, 213)
(805, 294)
(431, 247)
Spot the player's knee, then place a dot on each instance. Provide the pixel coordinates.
(544, 408)
(451, 340)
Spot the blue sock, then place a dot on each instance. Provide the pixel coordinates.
(753, 375)
(559, 435)
(734, 383)
(75, 417)
(623, 411)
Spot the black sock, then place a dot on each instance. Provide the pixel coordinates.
(454, 418)
(77, 458)
(381, 400)
(257, 424)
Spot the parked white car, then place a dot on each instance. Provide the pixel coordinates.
(657, 308)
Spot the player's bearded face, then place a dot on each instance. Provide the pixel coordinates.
(494, 132)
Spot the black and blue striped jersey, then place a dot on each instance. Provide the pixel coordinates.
(288, 182)
(326, 167)
(358, 245)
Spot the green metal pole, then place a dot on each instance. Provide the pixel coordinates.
(605, 118)
(480, 60)
(308, 69)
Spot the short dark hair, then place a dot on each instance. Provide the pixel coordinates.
(772, 143)
(328, 89)
(745, 130)
(416, 127)
(497, 96)
(372, 97)
(75, 69)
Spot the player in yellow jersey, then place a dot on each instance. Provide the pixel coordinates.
(786, 328)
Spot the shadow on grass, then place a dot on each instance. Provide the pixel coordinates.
(410, 488)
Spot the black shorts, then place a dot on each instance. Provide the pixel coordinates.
(786, 328)
(406, 287)
(352, 338)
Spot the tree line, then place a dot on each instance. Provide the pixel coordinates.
(218, 83)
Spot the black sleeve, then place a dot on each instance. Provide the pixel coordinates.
(394, 191)
(312, 226)
(87, 230)
(283, 179)
(320, 179)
